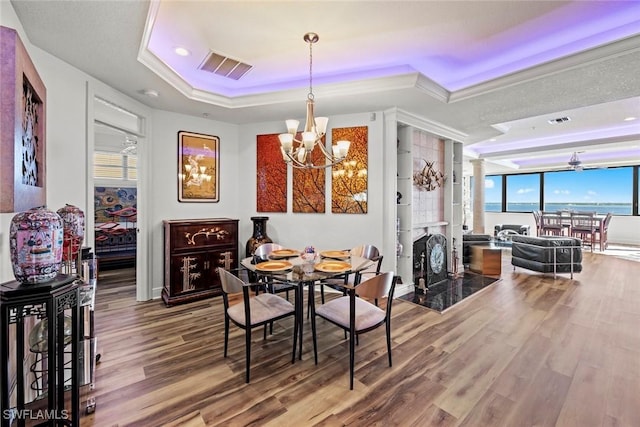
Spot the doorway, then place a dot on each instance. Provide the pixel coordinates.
(117, 130)
(115, 195)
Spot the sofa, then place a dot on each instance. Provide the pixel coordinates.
(471, 239)
(523, 230)
(547, 254)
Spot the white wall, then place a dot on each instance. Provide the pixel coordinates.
(163, 185)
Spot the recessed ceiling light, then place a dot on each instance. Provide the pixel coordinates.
(182, 51)
(628, 119)
(151, 93)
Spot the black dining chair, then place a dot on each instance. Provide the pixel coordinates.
(365, 251)
(254, 311)
(356, 315)
(261, 254)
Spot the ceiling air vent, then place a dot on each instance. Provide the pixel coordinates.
(559, 120)
(224, 66)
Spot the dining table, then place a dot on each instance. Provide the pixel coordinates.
(563, 220)
(301, 269)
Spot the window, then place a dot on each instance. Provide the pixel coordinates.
(592, 190)
(493, 193)
(523, 192)
(114, 166)
(614, 190)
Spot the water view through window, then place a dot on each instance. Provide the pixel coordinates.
(592, 190)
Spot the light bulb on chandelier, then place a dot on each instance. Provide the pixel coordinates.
(314, 131)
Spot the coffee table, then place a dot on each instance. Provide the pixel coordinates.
(486, 260)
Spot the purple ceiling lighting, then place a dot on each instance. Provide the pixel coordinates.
(585, 157)
(573, 27)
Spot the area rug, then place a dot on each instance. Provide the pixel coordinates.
(446, 294)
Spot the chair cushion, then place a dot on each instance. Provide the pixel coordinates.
(337, 310)
(263, 308)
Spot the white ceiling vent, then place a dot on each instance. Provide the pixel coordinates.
(224, 66)
(559, 120)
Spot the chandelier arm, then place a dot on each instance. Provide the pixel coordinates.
(299, 165)
(294, 162)
(329, 156)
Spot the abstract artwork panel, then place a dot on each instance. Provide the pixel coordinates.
(349, 183)
(271, 175)
(309, 186)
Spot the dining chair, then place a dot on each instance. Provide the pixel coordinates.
(364, 251)
(356, 315)
(254, 311)
(261, 254)
(583, 226)
(602, 231)
(552, 224)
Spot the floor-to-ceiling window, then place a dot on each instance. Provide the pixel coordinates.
(522, 192)
(595, 190)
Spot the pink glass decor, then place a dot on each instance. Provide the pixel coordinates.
(73, 226)
(35, 244)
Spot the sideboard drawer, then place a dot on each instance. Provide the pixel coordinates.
(188, 235)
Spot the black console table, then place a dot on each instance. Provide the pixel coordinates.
(49, 302)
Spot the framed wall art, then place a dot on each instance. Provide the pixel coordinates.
(22, 127)
(271, 175)
(349, 179)
(198, 167)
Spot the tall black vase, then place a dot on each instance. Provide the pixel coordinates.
(259, 234)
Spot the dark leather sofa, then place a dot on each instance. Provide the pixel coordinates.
(523, 230)
(469, 240)
(547, 254)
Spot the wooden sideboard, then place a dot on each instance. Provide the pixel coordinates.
(194, 249)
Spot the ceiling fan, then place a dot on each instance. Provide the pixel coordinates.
(574, 162)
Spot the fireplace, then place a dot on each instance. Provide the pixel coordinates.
(419, 263)
(429, 261)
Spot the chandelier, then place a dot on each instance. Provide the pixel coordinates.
(314, 131)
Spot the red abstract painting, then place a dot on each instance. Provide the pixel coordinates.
(349, 183)
(271, 175)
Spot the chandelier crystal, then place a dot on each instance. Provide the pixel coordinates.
(297, 151)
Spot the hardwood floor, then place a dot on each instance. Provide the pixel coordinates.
(529, 350)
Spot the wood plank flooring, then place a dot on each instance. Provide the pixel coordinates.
(529, 350)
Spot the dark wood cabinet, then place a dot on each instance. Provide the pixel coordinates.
(194, 249)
